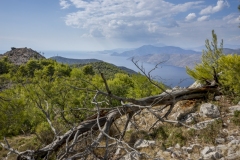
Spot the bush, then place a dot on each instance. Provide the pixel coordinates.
(230, 75)
(210, 133)
(44, 132)
(208, 70)
(219, 68)
(236, 118)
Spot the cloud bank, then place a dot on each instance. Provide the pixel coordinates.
(145, 21)
(64, 4)
(125, 18)
(213, 9)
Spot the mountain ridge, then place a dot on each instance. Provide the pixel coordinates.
(168, 55)
(65, 60)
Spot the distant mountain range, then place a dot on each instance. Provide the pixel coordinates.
(150, 49)
(169, 55)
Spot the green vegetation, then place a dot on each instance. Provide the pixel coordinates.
(218, 68)
(236, 118)
(109, 70)
(209, 68)
(44, 88)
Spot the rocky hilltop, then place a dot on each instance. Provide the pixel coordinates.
(19, 56)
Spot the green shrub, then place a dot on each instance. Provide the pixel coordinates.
(236, 118)
(44, 132)
(210, 133)
(208, 70)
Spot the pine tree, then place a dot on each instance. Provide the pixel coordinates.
(207, 71)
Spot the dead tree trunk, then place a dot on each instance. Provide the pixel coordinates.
(107, 120)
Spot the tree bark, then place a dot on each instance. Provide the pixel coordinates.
(132, 107)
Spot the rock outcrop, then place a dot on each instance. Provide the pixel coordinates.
(19, 56)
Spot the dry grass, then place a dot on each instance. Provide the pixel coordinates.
(21, 143)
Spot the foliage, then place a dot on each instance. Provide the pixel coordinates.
(44, 132)
(44, 87)
(236, 118)
(209, 68)
(219, 68)
(210, 133)
(230, 75)
(5, 66)
(109, 70)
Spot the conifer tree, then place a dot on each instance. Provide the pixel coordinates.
(207, 71)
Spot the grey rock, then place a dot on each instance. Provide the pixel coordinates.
(233, 142)
(230, 151)
(170, 149)
(212, 155)
(131, 156)
(177, 146)
(219, 140)
(234, 108)
(230, 138)
(233, 156)
(176, 154)
(189, 149)
(209, 110)
(217, 98)
(189, 118)
(204, 124)
(143, 143)
(206, 150)
(221, 148)
(196, 84)
(195, 146)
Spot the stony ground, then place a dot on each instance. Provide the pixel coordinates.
(216, 133)
(212, 131)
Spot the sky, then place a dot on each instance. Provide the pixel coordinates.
(90, 25)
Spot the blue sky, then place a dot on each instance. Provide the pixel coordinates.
(108, 24)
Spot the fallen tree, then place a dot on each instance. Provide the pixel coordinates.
(66, 146)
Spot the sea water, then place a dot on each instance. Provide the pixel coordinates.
(169, 75)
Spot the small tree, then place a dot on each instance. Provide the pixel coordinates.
(207, 71)
(88, 70)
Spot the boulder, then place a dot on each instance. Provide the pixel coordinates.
(209, 110)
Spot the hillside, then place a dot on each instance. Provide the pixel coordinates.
(108, 69)
(19, 56)
(170, 55)
(59, 111)
(150, 49)
(73, 61)
(175, 59)
(97, 64)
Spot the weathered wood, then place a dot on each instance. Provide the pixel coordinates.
(132, 107)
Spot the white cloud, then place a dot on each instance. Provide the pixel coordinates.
(232, 18)
(64, 4)
(126, 19)
(190, 17)
(203, 18)
(213, 9)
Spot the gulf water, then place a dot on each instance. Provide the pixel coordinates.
(169, 75)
